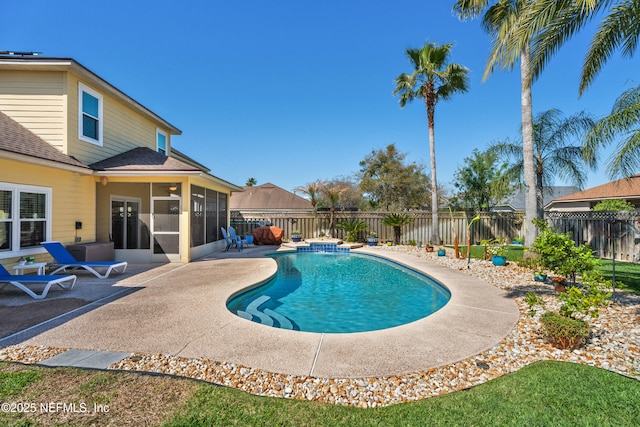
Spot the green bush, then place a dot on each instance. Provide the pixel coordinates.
(565, 332)
(352, 227)
(558, 252)
(397, 221)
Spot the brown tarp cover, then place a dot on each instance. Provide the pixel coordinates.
(268, 235)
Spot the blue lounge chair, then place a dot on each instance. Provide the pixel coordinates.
(19, 281)
(231, 240)
(65, 260)
(234, 236)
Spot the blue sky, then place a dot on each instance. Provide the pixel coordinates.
(290, 91)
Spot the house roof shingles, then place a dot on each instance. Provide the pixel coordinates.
(267, 196)
(143, 159)
(620, 189)
(17, 139)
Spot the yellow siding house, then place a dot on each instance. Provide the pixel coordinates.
(80, 161)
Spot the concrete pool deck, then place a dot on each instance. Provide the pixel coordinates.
(180, 310)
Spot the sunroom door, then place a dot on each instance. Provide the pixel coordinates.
(165, 225)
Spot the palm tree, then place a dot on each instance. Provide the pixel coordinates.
(313, 190)
(623, 121)
(333, 194)
(556, 151)
(498, 21)
(397, 221)
(554, 22)
(433, 79)
(251, 182)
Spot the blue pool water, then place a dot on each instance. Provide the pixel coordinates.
(340, 293)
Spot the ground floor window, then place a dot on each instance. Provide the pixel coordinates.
(208, 214)
(25, 218)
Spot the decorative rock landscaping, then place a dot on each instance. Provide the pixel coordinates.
(614, 345)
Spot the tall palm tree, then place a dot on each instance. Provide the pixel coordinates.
(624, 121)
(557, 150)
(553, 22)
(498, 21)
(251, 182)
(433, 79)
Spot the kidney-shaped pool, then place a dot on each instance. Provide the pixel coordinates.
(339, 293)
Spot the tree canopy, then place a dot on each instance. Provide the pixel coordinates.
(389, 183)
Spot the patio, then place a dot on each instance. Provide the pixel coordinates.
(173, 317)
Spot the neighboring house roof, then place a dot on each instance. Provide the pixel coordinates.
(516, 201)
(626, 188)
(267, 196)
(46, 63)
(16, 139)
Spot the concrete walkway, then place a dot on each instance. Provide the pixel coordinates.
(180, 310)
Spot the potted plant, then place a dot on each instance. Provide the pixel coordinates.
(296, 236)
(539, 276)
(372, 238)
(559, 283)
(442, 251)
(498, 254)
(429, 247)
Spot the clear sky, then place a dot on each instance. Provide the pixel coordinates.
(291, 91)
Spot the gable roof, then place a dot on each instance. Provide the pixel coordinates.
(145, 160)
(625, 188)
(517, 200)
(18, 140)
(267, 196)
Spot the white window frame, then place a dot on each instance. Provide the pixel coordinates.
(81, 89)
(166, 142)
(15, 219)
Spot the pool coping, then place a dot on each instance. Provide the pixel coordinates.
(183, 313)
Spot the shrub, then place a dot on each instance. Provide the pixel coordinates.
(558, 252)
(352, 227)
(565, 332)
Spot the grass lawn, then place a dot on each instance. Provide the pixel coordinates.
(544, 393)
(626, 272)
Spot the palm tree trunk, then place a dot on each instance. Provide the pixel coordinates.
(531, 199)
(429, 100)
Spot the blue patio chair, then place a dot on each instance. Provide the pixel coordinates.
(63, 260)
(20, 281)
(234, 235)
(230, 241)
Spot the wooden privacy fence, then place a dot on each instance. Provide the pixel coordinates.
(310, 224)
(605, 232)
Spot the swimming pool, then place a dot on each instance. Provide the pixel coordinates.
(339, 293)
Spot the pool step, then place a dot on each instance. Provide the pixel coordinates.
(266, 316)
(283, 321)
(252, 308)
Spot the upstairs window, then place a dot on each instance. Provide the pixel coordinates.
(161, 142)
(90, 115)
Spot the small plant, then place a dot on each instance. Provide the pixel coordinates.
(373, 235)
(586, 300)
(412, 242)
(565, 332)
(352, 227)
(533, 300)
(497, 250)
